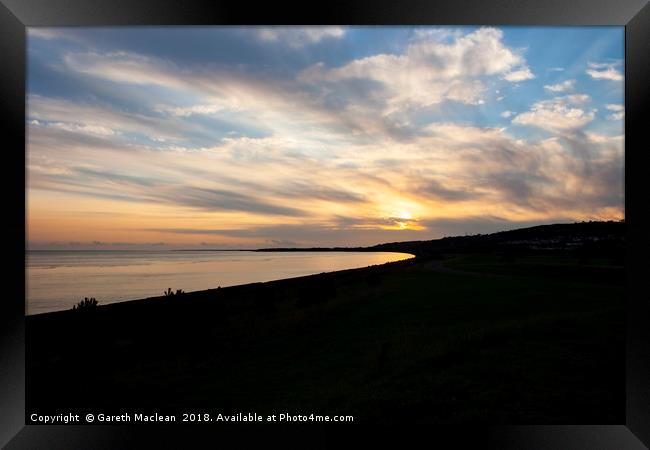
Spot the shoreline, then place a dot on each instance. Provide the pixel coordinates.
(270, 250)
(203, 292)
(578, 239)
(381, 342)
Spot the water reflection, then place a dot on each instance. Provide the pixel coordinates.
(57, 280)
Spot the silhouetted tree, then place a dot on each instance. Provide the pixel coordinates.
(85, 304)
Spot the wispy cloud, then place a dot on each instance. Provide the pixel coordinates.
(298, 37)
(604, 71)
(519, 75)
(560, 113)
(564, 86)
(351, 142)
(619, 111)
(431, 69)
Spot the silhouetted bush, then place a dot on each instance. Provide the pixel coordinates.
(85, 304)
(170, 293)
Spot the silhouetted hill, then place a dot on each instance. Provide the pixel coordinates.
(599, 237)
(532, 332)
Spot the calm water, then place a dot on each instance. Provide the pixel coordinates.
(56, 280)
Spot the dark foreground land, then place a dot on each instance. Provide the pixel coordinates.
(517, 327)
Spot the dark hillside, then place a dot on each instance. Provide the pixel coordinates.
(475, 334)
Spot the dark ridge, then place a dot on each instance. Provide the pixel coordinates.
(519, 327)
(570, 236)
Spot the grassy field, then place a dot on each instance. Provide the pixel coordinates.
(476, 338)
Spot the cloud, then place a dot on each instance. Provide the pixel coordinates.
(283, 243)
(616, 116)
(187, 111)
(118, 177)
(564, 86)
(314, 234)
(556, 174)
(518, 187)
(616, 140)
(298, 37)
(50, 34)
(433, 68)
(359, 151)
(615, 107)
(44, 33)
(125, 67)
(211, 199)
(619, 111)
(93, 245)
(604, 71)
(219, 87)
(318, 192)
(437, 190)
(243, 95)
(81, 128)
(519, 75)
(376, 193)
(57, 140)
(90, 119)
(558, 114)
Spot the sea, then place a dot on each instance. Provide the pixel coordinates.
(56, 279)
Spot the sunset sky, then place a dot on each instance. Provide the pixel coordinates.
(244, 137)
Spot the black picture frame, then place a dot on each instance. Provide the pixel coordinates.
(16, 15)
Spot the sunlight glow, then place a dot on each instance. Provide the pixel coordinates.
(331, 136)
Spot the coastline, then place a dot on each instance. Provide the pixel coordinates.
(229, 273)
(206, 292)
(475, 334)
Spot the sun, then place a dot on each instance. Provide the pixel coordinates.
(404, 215)
(404, 220)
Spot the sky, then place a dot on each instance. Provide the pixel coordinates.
(248, 137)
